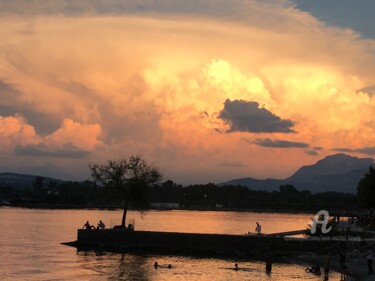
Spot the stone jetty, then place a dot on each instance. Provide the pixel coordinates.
(123, 240)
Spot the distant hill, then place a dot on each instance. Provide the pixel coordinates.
(339, 172)
(21, 181)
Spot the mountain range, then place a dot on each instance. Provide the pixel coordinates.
(338, 172)
(21, 181)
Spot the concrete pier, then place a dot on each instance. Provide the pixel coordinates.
(122, 240)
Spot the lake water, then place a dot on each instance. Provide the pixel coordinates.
(31, 250)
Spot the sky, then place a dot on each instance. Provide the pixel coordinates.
(204, 90)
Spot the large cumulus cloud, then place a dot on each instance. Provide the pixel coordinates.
(101, 79)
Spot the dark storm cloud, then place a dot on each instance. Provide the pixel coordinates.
(245, 116)
(279, 143)
(370, 150)
(69, 151)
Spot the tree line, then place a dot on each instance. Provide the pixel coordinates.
(133, 183)
(199, 196)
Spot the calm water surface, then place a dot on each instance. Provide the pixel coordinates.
(31, 250)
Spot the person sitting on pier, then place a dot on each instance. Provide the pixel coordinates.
(87, 225)
(101, 225)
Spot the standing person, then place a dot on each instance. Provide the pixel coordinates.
(258, 228)
(342, 264)
(369, 261)
(326, 266)
(268, 264)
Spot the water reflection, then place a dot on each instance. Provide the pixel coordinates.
(31, 250)
(111, 266)
(131, 268)
(115, 266)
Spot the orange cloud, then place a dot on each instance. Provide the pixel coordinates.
(15, 131)
(156, 82)
(84, 137)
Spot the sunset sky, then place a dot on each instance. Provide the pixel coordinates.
(205, 90)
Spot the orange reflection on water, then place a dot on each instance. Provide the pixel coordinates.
(31, 250)
(219, 222)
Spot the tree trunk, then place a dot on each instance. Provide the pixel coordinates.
(124, 214)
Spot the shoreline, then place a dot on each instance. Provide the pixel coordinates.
(116, 208)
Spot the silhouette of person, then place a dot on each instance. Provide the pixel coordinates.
(101, 225)
(258, 228)
(369, 261)
(87, 225)
(156, 265)
(342, 264)
(268, 264)
(326, 266)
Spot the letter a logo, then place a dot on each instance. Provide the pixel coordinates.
(321, 217)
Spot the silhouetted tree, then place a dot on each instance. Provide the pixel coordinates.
(366, 193)
(132, 177)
